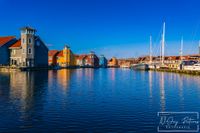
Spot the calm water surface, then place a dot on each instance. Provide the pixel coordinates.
(93, 100)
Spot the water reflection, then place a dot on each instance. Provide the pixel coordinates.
(162, 91)
(180, 90)
(150, 84)
(89, 74)
(112, 74)
(86, 75)
(61, 78)
(92, 99)
(4, 83)
(26, 88)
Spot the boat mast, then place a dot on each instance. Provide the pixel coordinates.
(160, 51)
(150, 51)
(163, 44)
(181, 50)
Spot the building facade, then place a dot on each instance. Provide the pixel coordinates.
(52, 57)
(80, 60)
(5, 43)
(29, 50)
(102, 61)
(91, 60)
(66, 58)
(87, 60)
(113, 62)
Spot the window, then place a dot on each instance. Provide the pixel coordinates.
(29, 50)
(29, 40)
(23, 51)
(23, 40)
(13, 52)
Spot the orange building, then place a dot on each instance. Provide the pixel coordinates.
(113, 62)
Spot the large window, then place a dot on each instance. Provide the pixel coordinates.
(29, 40)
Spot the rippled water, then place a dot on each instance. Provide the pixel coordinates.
(93, 100)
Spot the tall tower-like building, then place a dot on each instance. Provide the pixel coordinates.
(92, 57)
(27, 43)
(66, 54)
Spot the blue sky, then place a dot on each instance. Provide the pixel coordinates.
(118, 28)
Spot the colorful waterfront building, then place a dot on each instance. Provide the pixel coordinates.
(5, 43)
(113, 62)
(102, 61)
(66, 58)
(29, 50)
(80, 60)
(91, 60)
(88, 60)
(52, 57)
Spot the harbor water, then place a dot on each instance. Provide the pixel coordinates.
(93, 100)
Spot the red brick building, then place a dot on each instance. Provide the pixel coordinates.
(88, 60)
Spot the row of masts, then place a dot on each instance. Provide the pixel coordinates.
(162, 47)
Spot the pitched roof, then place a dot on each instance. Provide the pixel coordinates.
(4, 40)
(81, 57)
(16, 44)
(60, 53)
(52, 52)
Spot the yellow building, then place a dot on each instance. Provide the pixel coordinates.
(66, 58)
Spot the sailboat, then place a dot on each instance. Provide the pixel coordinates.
(162, 50)
(147, 66)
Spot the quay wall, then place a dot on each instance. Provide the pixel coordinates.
(177, 71)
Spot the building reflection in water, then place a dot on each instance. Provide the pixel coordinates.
(85, 78)
(4, 85)
(89, 73)
(113, 74)
(162, 91)
(26, 88)
(61, 78)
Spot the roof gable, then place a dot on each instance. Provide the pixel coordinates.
(17, 44)
(60, 54)
(52, 52)
(4, 40)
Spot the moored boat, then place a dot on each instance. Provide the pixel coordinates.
(195, 67)
(140, 66)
